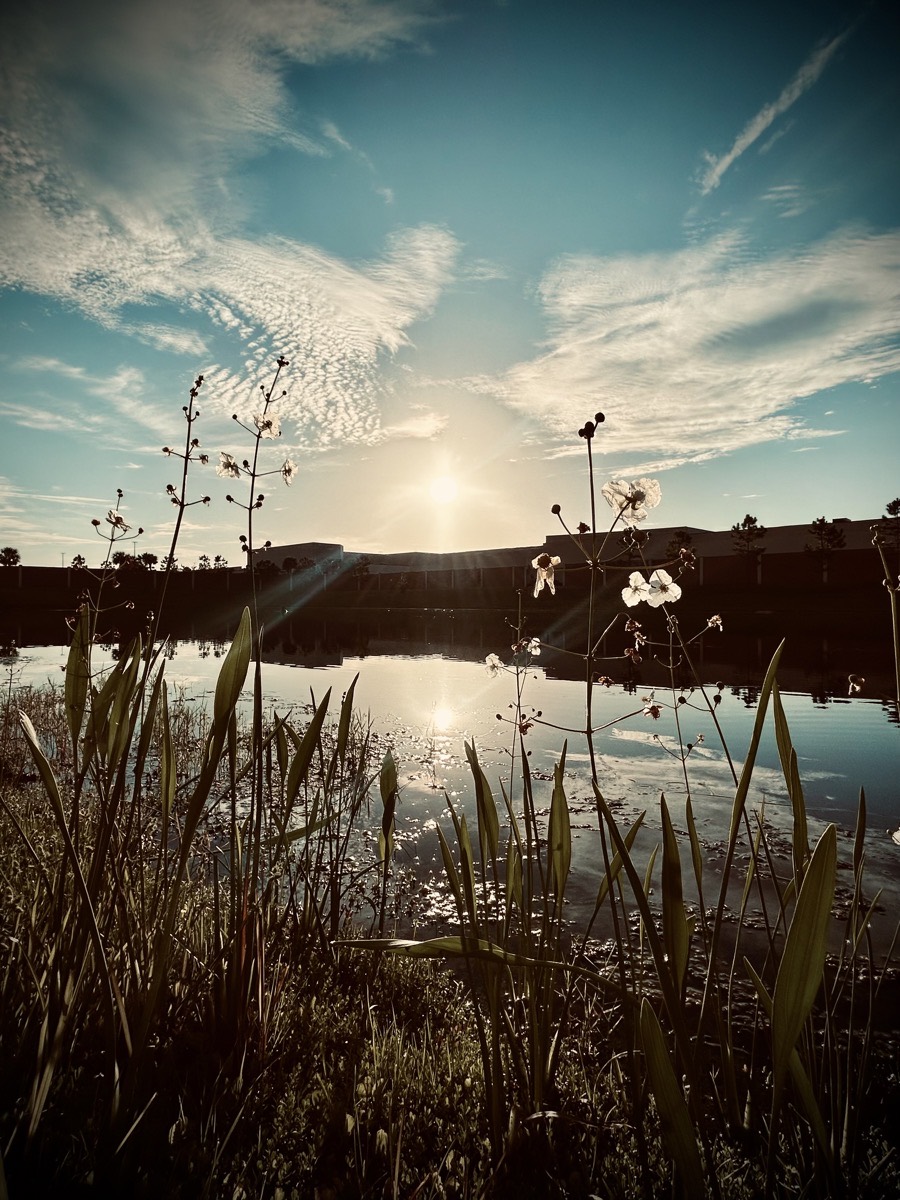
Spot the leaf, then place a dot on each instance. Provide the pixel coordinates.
(559, 836)
(344, 721)
(798, 1073)
(675, 925)
(167, 768)
(467, 869)
(119, 730)
(674, 1118)
(389, 788)
(78, 675)
(233, 674)
(513, 875)
(791, 772)
(488, 821)
(300, 765)
(696, 853)
(451, 872)
(803, 961)
(615, 867)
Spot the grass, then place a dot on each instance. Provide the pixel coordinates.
(188, 1010)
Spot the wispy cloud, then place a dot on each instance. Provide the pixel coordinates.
(422, 424)
(717, 165)
(788, 199)
(337, 321)
(174, 341)
(699, 353)
(123, 391)
(113, 181)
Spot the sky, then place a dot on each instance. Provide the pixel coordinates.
(469, 225)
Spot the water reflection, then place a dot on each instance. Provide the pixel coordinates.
(819, 666)
(424, 680)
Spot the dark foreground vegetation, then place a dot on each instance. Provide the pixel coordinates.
(199, 996)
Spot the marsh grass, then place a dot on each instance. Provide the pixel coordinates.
(168, 1030)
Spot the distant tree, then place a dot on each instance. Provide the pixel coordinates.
(127, 563)
(169, 563)
(78, 563)
(290, 565)
(826, 537)
(746, 537)
(9, 557)
(219, 563)
(889, 526)
(266, 569)
(203, 563)
(149, 560)
(680, 540)
(746, 540)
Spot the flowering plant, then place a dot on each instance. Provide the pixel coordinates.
(545, 566)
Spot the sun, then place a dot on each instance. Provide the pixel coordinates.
(443, 489)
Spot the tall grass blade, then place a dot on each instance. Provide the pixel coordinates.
(674, 1118)
(78, 675)
(798, 1072)
(119, 730)
(388, 787)
(488, 821)
(168, 774)
(559, 835)
(299, 768)
(676, 929)
(233, 674)
(615, 866)
(803, 961)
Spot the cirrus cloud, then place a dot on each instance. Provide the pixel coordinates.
(704, 351)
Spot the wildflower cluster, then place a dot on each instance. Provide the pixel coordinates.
(191, 453)
(119, 527)
(632, 501)
(266, 425)
(661, 588)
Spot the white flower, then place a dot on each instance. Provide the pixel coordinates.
(117, 521)
(288, 471)
(632, 501)
(895, 837)
(269, 425)
(534, 647)
(494, 664)
(228, 467)
(638, 589)
(663, 589)
(545, 565)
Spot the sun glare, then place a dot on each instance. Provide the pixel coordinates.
(443, 489)
(443, 718)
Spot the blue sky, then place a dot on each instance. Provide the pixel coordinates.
(469, 226)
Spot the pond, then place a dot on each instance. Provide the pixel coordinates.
(429, 695)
